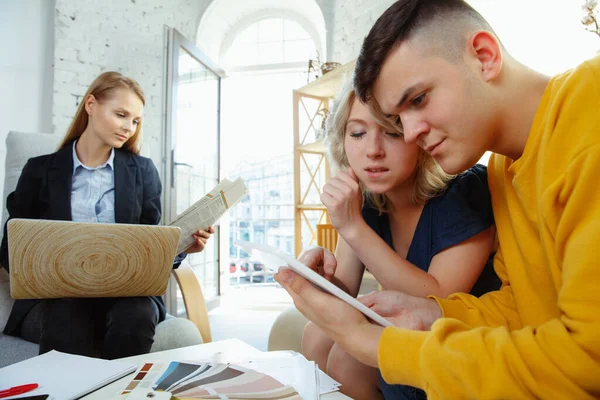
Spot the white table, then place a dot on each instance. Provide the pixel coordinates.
(222, 351)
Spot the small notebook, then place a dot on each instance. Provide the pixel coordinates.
(63, 376)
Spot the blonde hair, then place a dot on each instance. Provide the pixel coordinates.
(102, 88)
(430, 178)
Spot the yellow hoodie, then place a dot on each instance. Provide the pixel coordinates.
(539, 335)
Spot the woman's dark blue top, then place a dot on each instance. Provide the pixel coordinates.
(462, 211)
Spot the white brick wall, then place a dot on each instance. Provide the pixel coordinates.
(328, 9)
(92, 36)
(352, 20)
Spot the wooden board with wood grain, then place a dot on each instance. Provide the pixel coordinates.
(61, 259)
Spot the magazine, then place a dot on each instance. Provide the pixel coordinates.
(208, 210)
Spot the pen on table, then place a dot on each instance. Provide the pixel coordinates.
(15, 390)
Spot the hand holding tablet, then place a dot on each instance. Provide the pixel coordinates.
(280, 257)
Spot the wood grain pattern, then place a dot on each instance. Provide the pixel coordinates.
(58, 259)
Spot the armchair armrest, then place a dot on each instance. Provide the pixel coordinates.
(193, 298)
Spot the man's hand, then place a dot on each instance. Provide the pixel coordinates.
(319, 260)
(344, 324)
(200, 238)
(403, 310)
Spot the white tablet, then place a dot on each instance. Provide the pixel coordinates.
(283, 258)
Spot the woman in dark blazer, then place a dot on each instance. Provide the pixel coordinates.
(97, 175)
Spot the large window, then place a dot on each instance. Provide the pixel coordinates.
(257, 135)
(270, 41)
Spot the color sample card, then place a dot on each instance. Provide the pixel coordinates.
(209, 381)
(144, 377)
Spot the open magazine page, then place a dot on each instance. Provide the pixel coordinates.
(208, 210)
(223, 185)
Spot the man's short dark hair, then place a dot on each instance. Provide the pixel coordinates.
(397, 24)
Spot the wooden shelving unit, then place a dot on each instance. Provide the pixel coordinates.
(311, 168)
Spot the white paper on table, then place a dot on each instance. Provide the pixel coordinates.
(287, 367)
(208, 210)
(290, 368)
(63, 376)
(327, 384)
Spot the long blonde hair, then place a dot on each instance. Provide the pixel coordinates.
(102, 88)
(430, 178)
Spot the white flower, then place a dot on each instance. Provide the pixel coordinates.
(587, 20)
(589, 5)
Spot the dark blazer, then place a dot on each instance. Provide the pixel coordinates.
(44, 192)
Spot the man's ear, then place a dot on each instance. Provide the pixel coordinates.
(486, 50)
(89, 103)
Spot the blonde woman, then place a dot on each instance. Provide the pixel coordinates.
(415, 228)
(97, 175)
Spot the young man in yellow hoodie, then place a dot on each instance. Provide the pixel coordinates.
(437, 69)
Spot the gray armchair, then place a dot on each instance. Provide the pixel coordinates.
(171, 333)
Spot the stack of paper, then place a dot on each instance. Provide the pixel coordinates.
(327, 384)
(294, 369)
(63, 376)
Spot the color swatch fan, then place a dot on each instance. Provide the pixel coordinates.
(209, 381)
